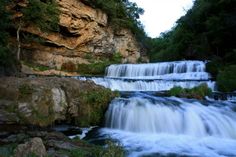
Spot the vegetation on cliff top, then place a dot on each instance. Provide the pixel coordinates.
(122, 14)
(15, 15)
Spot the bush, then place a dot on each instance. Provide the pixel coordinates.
(92, 105)
(44, 15)
(214, 66)
(99, 67)
(176, 91)
(92, 69)
(198, 92)
(226, 79)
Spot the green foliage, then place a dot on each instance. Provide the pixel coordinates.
(226, 80)
(207, 31)
(113, 150)
(93, 103)
(7, 150)
(99, 67)
(121, 14)
(5, 56)
(89, 150)
(176, 91)
(214, 66)
(198, 92)
(44, 14)
(78, 153)
(93, 68)
(36, 67)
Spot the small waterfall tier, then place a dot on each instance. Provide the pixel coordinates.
(171, 116)
(179, 70)
(154, 76)
(148, 85)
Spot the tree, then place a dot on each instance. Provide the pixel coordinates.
(41, 14)
(4, 24)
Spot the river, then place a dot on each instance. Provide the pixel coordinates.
(147, 124)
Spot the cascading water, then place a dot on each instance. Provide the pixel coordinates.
(148, 85)
(181, 70)
(172, 116)
(148, 125)
(155, 77)
(172, 127)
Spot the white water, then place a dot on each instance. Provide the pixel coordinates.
(149, 125)
(167, 126)
(172, 116)
(151, 85)
(155, 77)
(181, 70)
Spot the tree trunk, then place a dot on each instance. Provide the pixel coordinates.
(18, 42)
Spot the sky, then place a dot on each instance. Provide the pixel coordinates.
(161, 15)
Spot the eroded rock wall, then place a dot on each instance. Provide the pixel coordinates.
(84, 33)
(42, 101)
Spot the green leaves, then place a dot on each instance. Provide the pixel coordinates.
(226, 80)
(45, 15)
(121, 14)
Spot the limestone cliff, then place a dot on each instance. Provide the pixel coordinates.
(84, 33)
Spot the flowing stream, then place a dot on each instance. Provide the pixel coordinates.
(148, 125)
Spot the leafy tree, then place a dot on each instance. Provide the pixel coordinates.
(122, 14)
(4, 24)
(42, 14)
(206, 31)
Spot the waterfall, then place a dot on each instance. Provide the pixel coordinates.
(172, 116)
(149, 125)
(154, 76)
(150, 85)
(181, 70)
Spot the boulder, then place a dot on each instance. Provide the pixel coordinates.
(34, 146)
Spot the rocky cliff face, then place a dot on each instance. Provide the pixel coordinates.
(42, 101)
(84, 34)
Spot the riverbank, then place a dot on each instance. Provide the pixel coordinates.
(29, 107)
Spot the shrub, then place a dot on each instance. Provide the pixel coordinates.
(214, 66)
(226, 79)
(45, 15)
(176, 91)
(99, 68)
(198, 92)
(92, 105)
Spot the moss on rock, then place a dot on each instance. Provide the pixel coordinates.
(42, 101)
